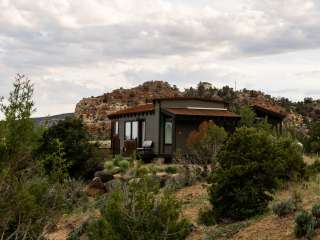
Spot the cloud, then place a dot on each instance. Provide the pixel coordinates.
(98, 45)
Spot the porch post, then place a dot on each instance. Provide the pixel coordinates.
(174, 136)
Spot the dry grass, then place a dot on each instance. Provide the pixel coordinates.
(193, 198)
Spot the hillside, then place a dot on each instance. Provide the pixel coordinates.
(52, 120)
(94, 110)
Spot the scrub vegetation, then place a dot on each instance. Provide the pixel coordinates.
(232, 186)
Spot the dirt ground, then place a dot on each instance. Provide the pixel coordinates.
(194, 198)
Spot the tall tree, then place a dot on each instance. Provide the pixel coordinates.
(17, 129)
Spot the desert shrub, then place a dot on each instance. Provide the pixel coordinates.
(108, 165)
(304, 225)
(191, 175)
(206, 217)
(316, 214)
(247, 175)
(141, 171)
(251, 165)
(74, 196)
(284, 208)
(117, 159)
(100, 230)
(314, 140)
(28, 206)
(170, 170)
(290, 155)
(314, 168)
(79, 153)
(77, 232)
(29, 198)
(139, 212)
(124, 165)
(55, 163)
(204, 144)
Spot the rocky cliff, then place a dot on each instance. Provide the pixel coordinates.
(93, 111)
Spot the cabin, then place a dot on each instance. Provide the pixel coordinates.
(162, 127)
(273, 113)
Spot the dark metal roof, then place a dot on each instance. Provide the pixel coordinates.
(269, 109)
(201, 112)
(211, 99)
(137, 109)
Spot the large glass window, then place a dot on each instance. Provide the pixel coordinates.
(128, 131)
(134, 134)
(116, 128)
(131, 130)
(168, 132)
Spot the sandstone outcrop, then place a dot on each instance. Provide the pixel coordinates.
(94, 110)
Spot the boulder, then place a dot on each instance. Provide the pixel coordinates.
(95, 187)
(113, 185)
(158, 161)
(163, 178)
(176, 181)
(104, 176)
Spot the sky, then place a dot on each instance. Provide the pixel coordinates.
(73, 49)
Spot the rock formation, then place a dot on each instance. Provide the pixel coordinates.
(93, 111)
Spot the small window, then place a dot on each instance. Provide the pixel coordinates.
(116, 128)
(168, 133)
(128, 131)
(134, 134)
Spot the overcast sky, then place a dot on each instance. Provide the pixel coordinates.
(73, 49)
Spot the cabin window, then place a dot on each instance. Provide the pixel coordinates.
(116, 128)
(134, 134)
(168, 132)
(128, 131)
(131, 130)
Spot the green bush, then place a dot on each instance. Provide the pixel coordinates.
(28, 206)
(247, 175)
(142, 171)
(108, 165)
(290, 155)
(30, 199)
(124, 165)
(314, 142)
(304, 225)
(282, 209)
(206, 217)
(80, 155)
(316, 214)
(314, 168)
(139, 212)
(117, 159)
(170, 170)
(251, 164)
